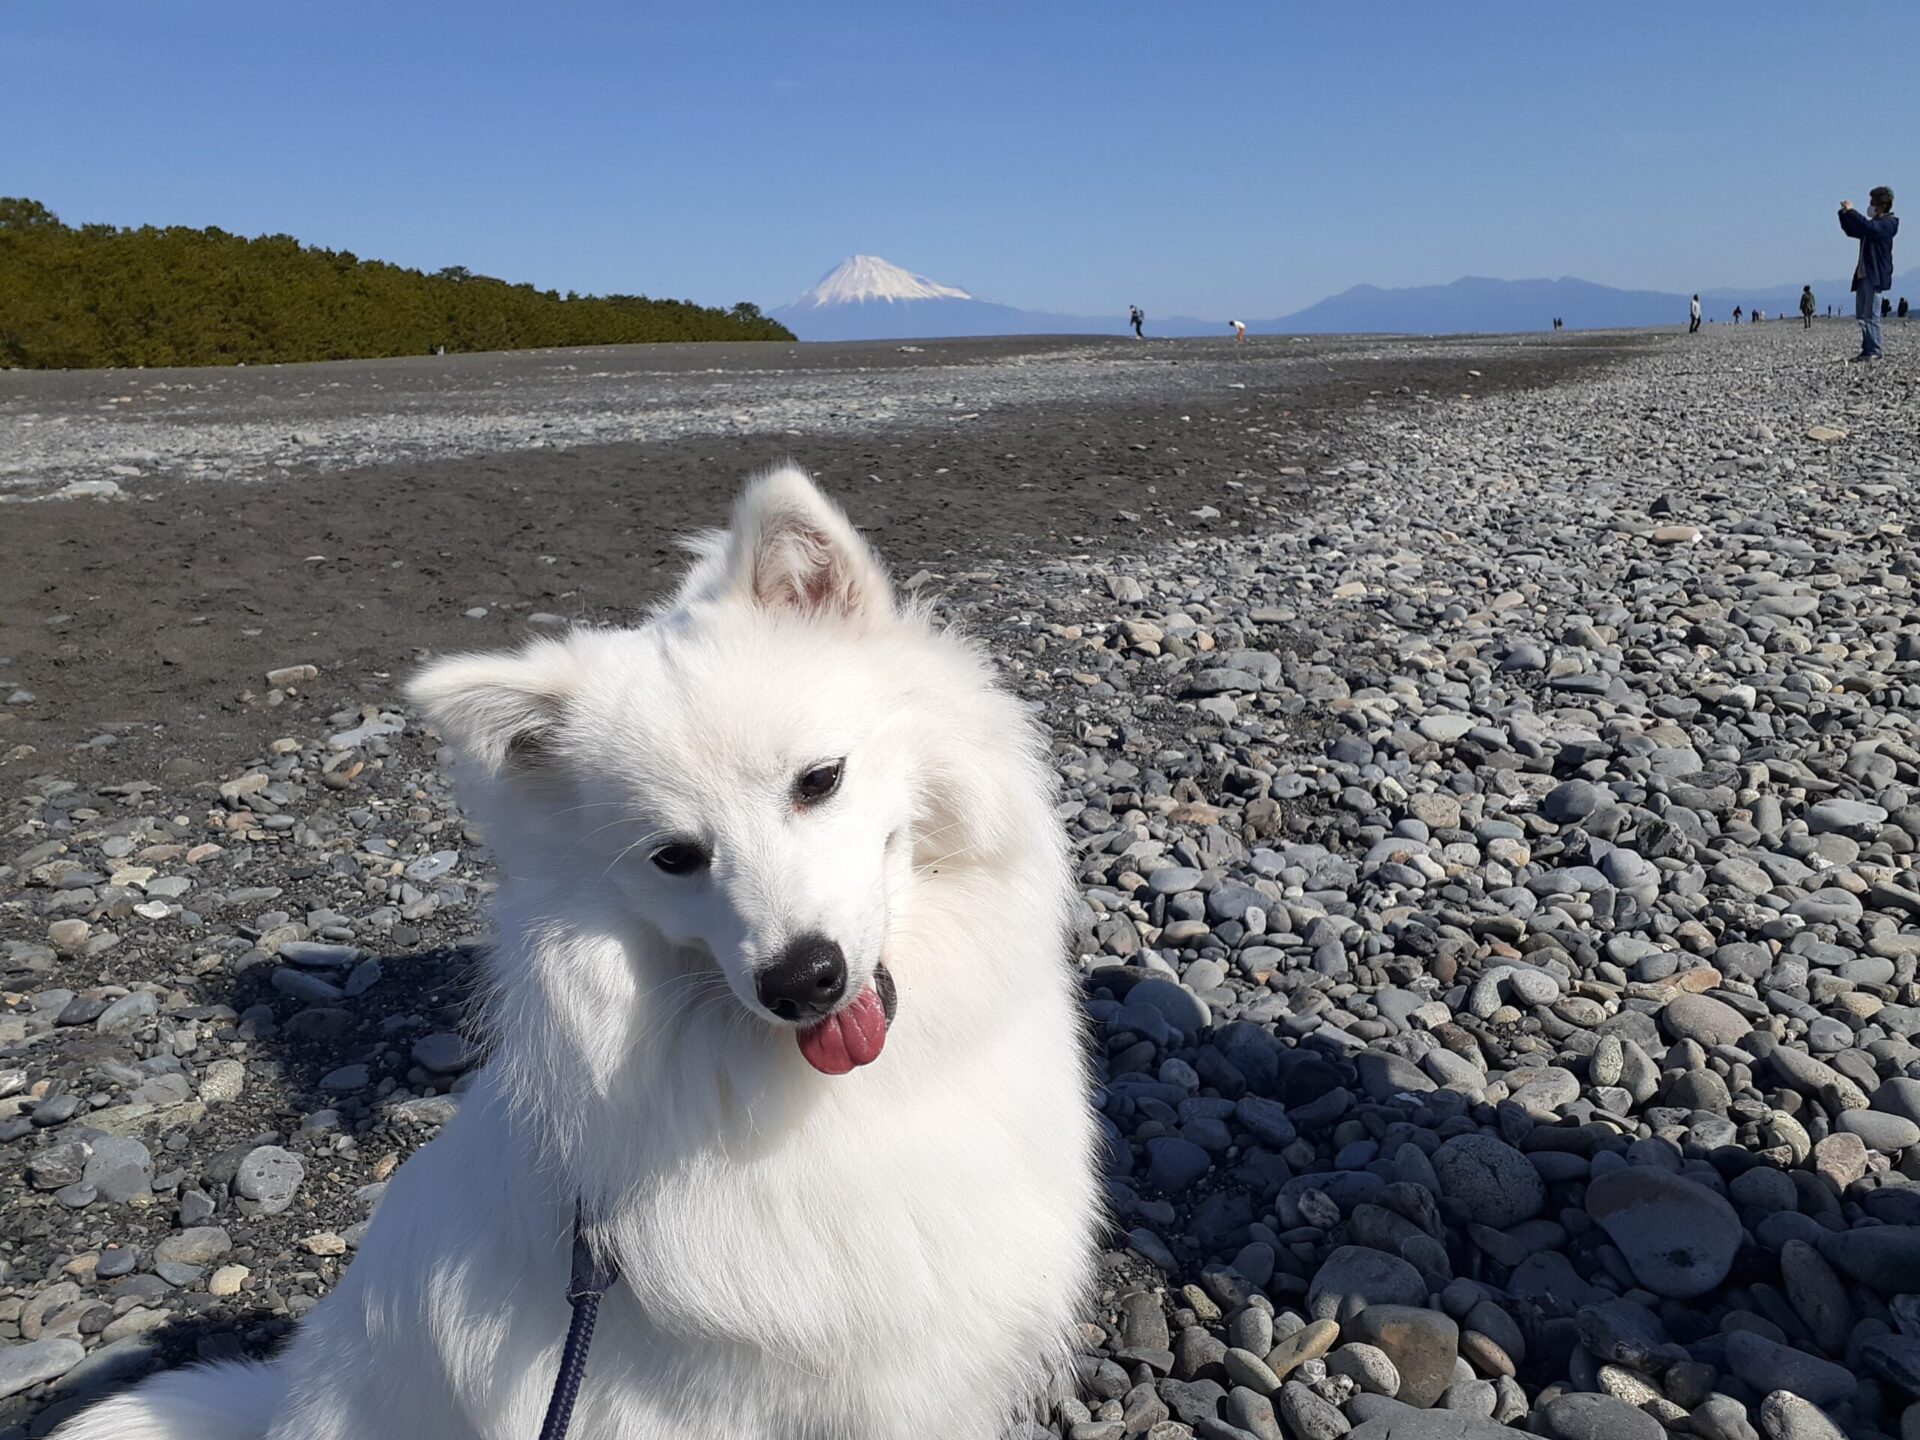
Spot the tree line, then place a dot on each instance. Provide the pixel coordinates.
(95, 295)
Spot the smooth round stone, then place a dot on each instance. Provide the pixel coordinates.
(223, 1082)
(119, 1169)
(1533, 987)
(1545, 1091)
(1173, 879)
(1828, 1036)
(1367, 1366)
(1678, 1236)
(1178, 1006)
(1175, 1165)
(116, 1262)
(1832, 906)
(1598, 1417)
(443, 1053)
(269, 1176)
(1765, 1189)
(1704, 1019)
(1354, 1277)
(1494, 1181)
(1855, 818)
(1445, 728)
(1471, 1396)
(1608, 1062)
(1245, 1368)
(1571, 800)
(1889, 1134)
(1423, 1345)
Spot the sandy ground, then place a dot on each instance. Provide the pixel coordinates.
(147, 624)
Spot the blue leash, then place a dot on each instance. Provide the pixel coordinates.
(591, 1278)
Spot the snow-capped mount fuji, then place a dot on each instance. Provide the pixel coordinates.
(861, 278)
(867, 298)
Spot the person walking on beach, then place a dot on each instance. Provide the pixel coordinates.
(1693, 316)
(1138, 321)
(1874, 272)
(1806, 307)
(1736, 314)
(1239, 331)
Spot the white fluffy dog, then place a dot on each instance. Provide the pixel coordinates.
(778, 1000)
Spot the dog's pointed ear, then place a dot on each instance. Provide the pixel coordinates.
(791, 549)
(500, 711)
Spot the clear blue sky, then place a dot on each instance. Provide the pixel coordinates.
(1211, 159)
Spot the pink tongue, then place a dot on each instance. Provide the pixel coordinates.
(848, 1038)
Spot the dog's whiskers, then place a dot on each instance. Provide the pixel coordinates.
(687, 996)
(928, 867)
(646, 839)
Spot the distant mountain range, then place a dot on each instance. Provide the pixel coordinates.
(866, 298)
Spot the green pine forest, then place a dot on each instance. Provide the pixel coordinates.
(96, 295)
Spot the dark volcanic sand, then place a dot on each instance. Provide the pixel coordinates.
(156, 618)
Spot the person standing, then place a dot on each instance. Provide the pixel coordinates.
(1138, 321)
(1693, 316)
(1806, 307)
(1736, 314)
(1902, 311)
(1874, 272)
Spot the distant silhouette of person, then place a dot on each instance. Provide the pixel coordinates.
(1806, 307)
(1693, 316)
(1886, 307)
(1239, 331)
(1902, 311)
(1874, 272)
(1138, 321)
(1736, 314)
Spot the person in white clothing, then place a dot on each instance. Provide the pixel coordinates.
(1239, 330)
(1693, 315)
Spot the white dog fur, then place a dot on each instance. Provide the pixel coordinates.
(899, 1251)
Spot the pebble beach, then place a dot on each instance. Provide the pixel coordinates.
(1492, 778)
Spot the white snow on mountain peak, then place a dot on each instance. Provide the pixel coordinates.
(867, 277)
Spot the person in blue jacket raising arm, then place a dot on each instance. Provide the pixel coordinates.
(1875, 231)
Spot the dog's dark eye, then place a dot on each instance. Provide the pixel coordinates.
(817, 783)
(680, 858)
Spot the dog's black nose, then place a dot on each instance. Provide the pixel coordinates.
(805, 980)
